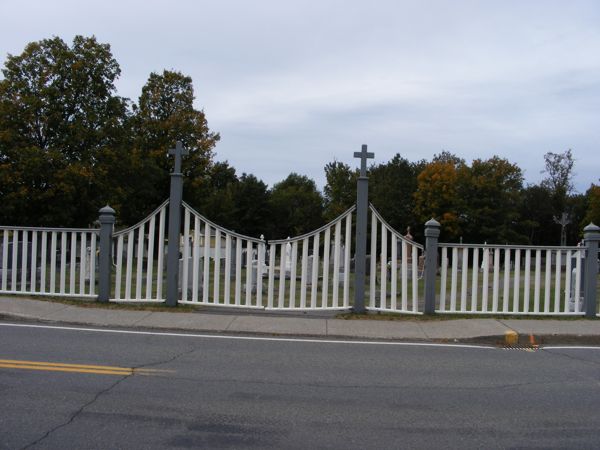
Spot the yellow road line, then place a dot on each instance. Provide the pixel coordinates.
(78, 368)
(64, 369)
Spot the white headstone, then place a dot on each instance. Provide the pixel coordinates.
(309, 270)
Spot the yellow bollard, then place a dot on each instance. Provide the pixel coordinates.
(511, 338)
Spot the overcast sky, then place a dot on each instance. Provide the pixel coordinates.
(293, 85)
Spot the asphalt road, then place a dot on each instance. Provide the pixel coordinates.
(200, 392)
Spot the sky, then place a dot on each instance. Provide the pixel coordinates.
(293, 85)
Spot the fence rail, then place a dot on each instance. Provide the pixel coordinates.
(48, 261)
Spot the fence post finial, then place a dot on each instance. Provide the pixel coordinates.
(591, 236)
(432, 233)
(107, 222)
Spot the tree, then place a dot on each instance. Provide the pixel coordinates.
(252, 208)
(559, 170)
(165, 114)
(491, 194)
(536, 213)
(340, 189)
(296, 205)
(559, 167)
(593, 206)
(392, 187)
(218, 201)
(437, 197)
(61, 122)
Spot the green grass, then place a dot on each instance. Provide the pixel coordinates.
(231, 280)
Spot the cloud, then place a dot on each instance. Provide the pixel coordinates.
(293, 85)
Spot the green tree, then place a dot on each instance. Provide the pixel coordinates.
(593, 206)
(252, 207)
(559, 170)
(218, 201)
(491, 194)
(165, 114)
(296, 205)
(536, 215)
(340, 189)
(392, 187)
(61, 125)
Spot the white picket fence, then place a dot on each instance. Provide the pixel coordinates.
(223, 268)
(393, 281)
(48, 261)
(517, 280)
(139, 259)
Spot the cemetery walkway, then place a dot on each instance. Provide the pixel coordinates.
(325, 325)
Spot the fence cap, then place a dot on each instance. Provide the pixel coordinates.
(432, 223)
(107, 210)
(592, 230)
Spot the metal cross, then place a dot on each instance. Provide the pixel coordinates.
(363, 155)
(178, 151)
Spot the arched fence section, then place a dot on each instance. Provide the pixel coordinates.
(48, 261)
(312, 271)
(396, 266)
(219, 267)
(502, 279)
(139, 259)
(222, 268)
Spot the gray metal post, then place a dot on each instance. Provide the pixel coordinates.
(432, 233)
(362, 211)
(591, 236)
(174, 226)
(107, 222)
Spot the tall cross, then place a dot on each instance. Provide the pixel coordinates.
(364, 155)
(178, 151)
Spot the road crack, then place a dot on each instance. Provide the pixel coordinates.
(77, 413)
(102, 392)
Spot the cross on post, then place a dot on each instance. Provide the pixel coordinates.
(178, 151)
(364, 155)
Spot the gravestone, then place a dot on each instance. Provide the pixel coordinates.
(19, 260)
(288, 260)
(87, 264)
(190, 278)
(253, 277)
(342, 261)
(309, 270)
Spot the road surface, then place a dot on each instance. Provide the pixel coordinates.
(78, 388)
